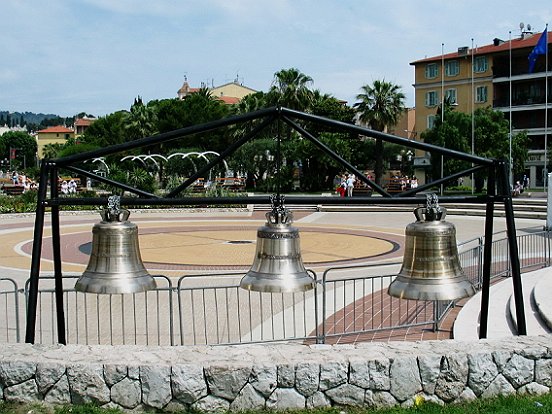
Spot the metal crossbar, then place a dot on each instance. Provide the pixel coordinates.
(211, 309)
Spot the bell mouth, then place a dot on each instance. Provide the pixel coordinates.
(431, 289)
(277, 283)
(108, 283)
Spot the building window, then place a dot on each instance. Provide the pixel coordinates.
(481, 94)
(452, 68)
(431, 98)
(480, 64)
(431, 71)
(450, 95)
(430, 121)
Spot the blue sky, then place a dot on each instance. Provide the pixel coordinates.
(95, 56)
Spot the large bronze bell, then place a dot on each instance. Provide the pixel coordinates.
(115, 264)
(431, 268)
(277, 266)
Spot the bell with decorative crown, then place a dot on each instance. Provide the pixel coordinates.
(431, 267)
(115, 264)
(278, 266)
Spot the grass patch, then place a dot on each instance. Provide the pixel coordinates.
(502, 405)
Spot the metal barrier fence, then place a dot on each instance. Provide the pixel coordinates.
(349, 303)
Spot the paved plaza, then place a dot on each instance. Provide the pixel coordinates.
(182, 242)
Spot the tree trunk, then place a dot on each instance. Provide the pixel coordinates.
(378, 171)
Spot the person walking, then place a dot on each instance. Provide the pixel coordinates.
(350, 184)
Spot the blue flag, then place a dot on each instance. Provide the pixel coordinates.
(539, 49)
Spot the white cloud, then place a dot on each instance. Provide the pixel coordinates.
(64, 56)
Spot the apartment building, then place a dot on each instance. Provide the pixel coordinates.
(488, 75)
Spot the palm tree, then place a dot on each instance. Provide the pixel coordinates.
(380, 106)
(140, 121)
(291, 87)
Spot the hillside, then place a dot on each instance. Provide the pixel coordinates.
(23, 118)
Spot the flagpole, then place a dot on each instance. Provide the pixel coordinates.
(442, 106)
(510, 97)
(472, 115)
(545, 172)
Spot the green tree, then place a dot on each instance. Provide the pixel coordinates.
(141, 121)
(491, 140)
(24, 144)
(291, 89)
(106, 131)
(380, 106)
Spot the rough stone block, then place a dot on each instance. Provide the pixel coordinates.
(466, 396)
(332, 374)
(405, 378)
(430, 366)
(87, 384)
(453, 377)
(543, 372)
(500, 386)
(226, 381)
(47, 374)
(127, 393)
(16, 372)
(156, 385)
(248, 399)
(24, 392)
(533, 388)
(264, 379)
(286, 376)
(285, 399)
(307, 378)
(519, 370)
(482, 371)
(347, 394)
(379, 399)
(114, 373)
(211, 404)
(59, 393)
(188, 383)
(318, 400)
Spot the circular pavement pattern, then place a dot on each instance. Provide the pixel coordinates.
(188, 245)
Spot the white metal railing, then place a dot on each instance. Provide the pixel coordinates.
(212, 309)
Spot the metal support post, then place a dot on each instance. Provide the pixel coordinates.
(487, 255)
(58, 276)
(514, 253)
(36, 254)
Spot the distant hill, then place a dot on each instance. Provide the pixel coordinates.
(24, 118)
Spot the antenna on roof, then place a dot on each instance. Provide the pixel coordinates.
(521, 26)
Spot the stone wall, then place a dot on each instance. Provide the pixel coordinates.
(275, 376)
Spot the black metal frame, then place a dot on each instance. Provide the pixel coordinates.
(497, 172)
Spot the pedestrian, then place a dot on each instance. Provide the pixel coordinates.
(72, 187)
(64, 187)
(343, 186)
(15, 178)
(350, 184)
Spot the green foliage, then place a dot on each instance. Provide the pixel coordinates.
(15, 204)
(380, 105)
(291, 89)
(491, 139)
(134, 176)
(141, 121)
(106, 130)
(25, 144)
